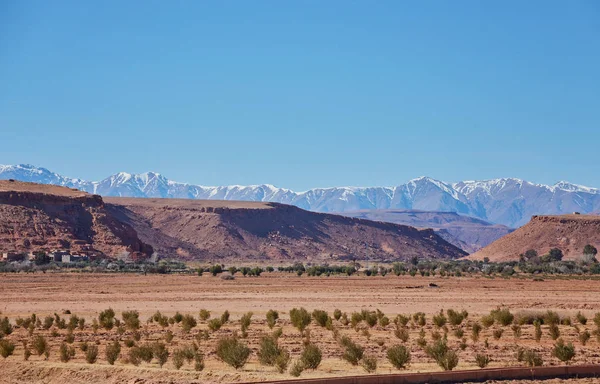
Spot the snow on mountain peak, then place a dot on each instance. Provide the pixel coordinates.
(508, 201)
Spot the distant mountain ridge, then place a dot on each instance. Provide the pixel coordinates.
(507, 201)
(468, 233)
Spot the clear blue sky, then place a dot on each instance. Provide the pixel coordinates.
(303, 94)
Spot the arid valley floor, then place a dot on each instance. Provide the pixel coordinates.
(86, 295)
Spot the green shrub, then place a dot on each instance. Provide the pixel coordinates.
(487, 320)
(311, 356)
(48, 322)
(39, 344)
(204, 314)
(233, 352)
(516, 328)
(178, 358)
(355, 319)
(272, 317)
(187, 323)
(554, 331)
(475, 331)
(91, 355)
(449, 361)
(443, 356)
(456, 318)
(282, 361)
(297, 368)
(300, 318)
(353, 352)
(584, 337)
(268, 350)
(369, 363)
(482, 361)
(66, 353)
(113, 350)
(337, 314)
(129, 343)
(581, 318)
(225, 317)
(26, 353)
(70, 338)
(169, 336)
(370, 318)
(6, 348)
(216, 269)
(459, 333)
(531, 358)
(399, 356)
(420, 319)
(131, 319)
(497, 333)
(320, 317)
(502, 316)
(160, 353)
(439, 320)
(277, 333)
(106, 319)
(177, 317)
(198, 361)
(162, 320)
(402, 334)
(384, 322)
(245, 322)
(551, 317)
(137, 336)
(563, 352)
(214, 324)
(402, 320)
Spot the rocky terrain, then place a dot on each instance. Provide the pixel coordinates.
(218, 230)
(468, 233)
(506, 201)
(36, 217)
(569, 233)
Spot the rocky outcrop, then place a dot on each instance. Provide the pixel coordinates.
(569, 233)
(232, 230)
(38, 217)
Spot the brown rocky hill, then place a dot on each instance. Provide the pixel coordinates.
(45, 217)
(468, 233)
(213, 230)
(570, 233)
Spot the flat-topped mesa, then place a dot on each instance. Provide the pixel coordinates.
(216, 230)
(37, 217)
(570, 233)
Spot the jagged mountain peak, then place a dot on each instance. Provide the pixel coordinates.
(508, 201)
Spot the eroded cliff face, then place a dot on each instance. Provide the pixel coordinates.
(229, 230)
(33, 220)
(569, 233)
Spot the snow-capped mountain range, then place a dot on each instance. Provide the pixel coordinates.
(507, 201)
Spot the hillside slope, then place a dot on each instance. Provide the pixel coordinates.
(467, 233)
(45, 217)
(570, 233)
(226, 230)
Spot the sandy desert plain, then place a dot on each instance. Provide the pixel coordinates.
(86, 295)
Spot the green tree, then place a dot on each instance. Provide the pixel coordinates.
(555, 254)
(590, 250)
(530, 254)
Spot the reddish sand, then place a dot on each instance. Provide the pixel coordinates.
(88, 294)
